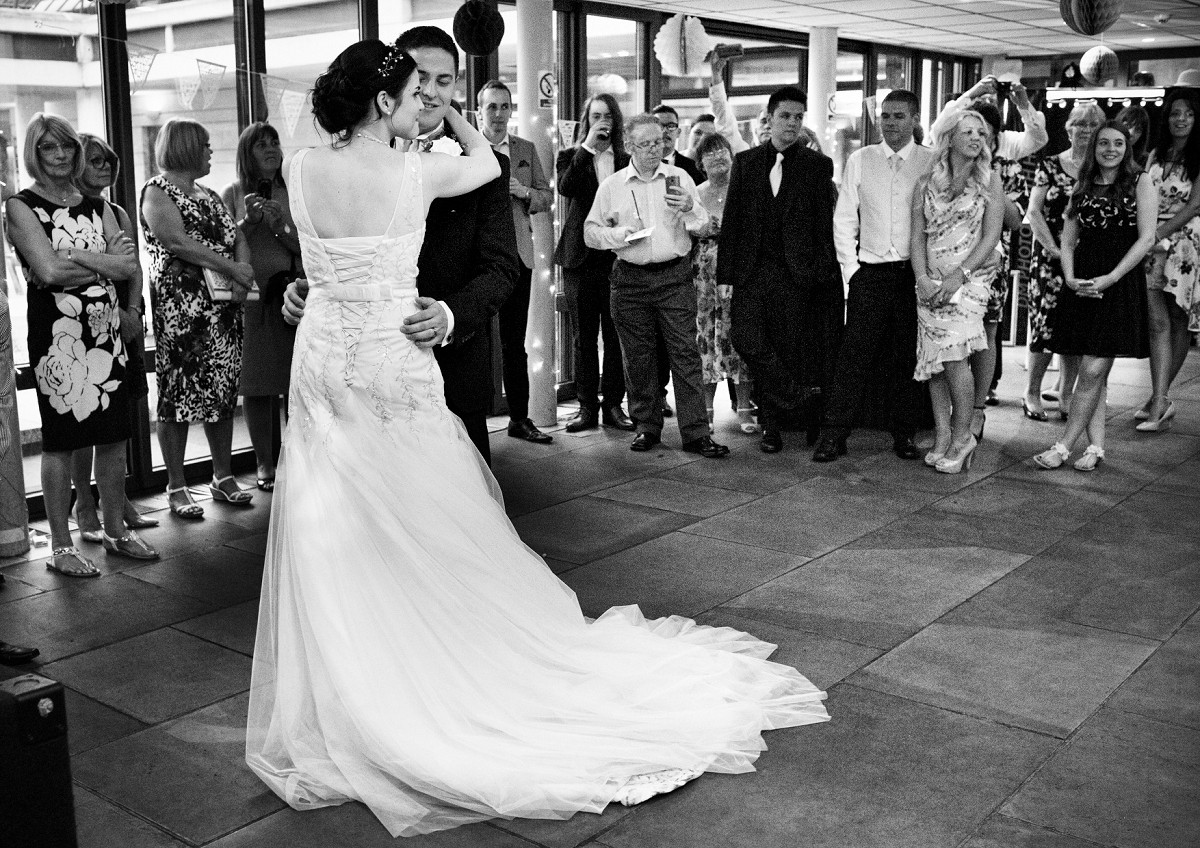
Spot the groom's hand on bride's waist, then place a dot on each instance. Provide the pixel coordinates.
(429, 325)
(293, 300)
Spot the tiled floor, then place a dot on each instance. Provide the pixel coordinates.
(1012, 656)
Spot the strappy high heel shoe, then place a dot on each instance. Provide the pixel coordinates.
(1143, 414)
(238, 497)
(934, 456)
(1158, 425)
(946, 465)
(978, 420)
(189, 508)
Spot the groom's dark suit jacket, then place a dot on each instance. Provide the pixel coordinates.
(469, 260)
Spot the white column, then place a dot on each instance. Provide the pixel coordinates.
(822, 82)
(535, 121)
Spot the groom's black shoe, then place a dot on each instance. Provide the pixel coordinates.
(584, 419)
(706, 447)
(614, 416)
(829, 448)
(16, 654)
(528, 431)
(905, 448)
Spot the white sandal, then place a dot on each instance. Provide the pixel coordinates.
(189, 509)
(238, 497)
(1092, 457)
(1053, 458)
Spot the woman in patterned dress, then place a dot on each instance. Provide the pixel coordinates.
(1100, 313)
(957, 214)
(199, 340)
(1052, 187)
(1173, 269)
(71, 248)
(720, 361)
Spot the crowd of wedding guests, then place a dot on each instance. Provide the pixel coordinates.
(737, 263)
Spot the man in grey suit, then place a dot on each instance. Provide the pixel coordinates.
(530, 194)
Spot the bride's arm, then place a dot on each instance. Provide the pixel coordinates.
(450, 176)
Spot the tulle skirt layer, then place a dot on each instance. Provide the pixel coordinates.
(413, 654)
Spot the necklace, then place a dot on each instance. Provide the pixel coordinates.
(367, 135)
(61, 198)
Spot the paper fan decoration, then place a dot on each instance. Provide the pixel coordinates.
(682, 46)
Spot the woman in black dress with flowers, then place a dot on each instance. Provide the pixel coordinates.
(1101, 310)
(72, 248)
(198, 340)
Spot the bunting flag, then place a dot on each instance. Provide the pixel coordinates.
(566, 133)
(291, 103)
(273, 89)
(187, 86)
(871, 104)
(141, 58)
(211, 75)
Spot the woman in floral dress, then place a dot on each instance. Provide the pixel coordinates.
(1052, 187)
(199, 340)
(720, 361)
(1173, 268)
(71, 248)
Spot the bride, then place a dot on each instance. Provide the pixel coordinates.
(412, 653)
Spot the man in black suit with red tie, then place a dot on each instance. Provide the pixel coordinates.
(776, 251)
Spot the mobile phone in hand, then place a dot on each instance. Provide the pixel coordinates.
(263, 189)
(672, 182)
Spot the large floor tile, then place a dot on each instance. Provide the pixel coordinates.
(813, 517)
(155, 676)
(89, 613)
(1128, 579)
(188, 776)
(1124, 780)
(1004, 832)
(577, 830)
(1167, 686)
(586, 529)
(177, 535)
(1119, 474)
(1048, 678)
(1020, 500)
(1183, 479)
(13, 589)
(91, 723)
(883, 773)
(1162, 512)
(222, 576)
(980, 530)
(676, 574)
(1170, 448)
(99, 824)
(233, 627)
(675, 496)
(879, 590)
(888, 470)
(750, 470)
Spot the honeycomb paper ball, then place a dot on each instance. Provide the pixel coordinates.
(478, 28)
(1089, 17)
(1098, 64)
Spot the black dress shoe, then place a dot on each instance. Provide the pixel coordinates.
(15, 654)
(584, 419)
(772, 442)
(614, 416)
(706, 447)
(642, 442)
(529, 432)
(905, 448)
(829, 449)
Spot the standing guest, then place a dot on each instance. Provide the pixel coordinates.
(598, 154)
(1052, 187)
(1101, 312)
(71, 248)
(530, 194)
(957, 214)
(871, 231)
(713, 303)
(1137, 120)
(101, 167)
(776, 250)
(1011, 144)
(652, 288)
(704, 125)
(668, 119)
(199, 340)
(258, 201)
(1173, 269)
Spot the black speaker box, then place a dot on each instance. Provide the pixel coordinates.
(37, 808)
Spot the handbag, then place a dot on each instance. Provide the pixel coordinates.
(220, 286)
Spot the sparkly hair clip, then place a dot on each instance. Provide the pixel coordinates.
(391, 61)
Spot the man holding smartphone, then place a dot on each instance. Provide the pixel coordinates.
(646, 214)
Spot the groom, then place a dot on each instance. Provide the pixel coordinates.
(468, 263)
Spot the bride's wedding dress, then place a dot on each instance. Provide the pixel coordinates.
(412, 652)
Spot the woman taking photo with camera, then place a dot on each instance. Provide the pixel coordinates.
(258, 201)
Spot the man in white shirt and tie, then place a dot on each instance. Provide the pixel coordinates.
(871, 227)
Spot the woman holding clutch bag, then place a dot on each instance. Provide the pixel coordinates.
(199, 339)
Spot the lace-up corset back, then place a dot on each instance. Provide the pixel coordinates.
(364, 268)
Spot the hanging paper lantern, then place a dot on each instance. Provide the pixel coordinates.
(1098, 64)
(682, 46)
(478, 28)
(1089, 17)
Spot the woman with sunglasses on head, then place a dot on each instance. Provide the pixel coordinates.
(71, 248)
(1100, 313)
(1173, 268)
(100, 171)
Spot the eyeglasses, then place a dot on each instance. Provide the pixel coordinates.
(51, 147)
(98, 162)
(669, 127)
(647, 145)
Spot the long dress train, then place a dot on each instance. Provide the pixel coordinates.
(412, 652)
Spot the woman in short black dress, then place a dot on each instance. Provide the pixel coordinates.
(71, 249)
(198, 340)
(1100, 312)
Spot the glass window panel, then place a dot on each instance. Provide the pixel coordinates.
(614, 62)
(895, 72)
(770, 66)
(847, 123)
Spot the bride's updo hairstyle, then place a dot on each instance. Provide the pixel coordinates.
(344, 95)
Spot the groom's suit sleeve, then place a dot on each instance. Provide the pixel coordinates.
(494, 274)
